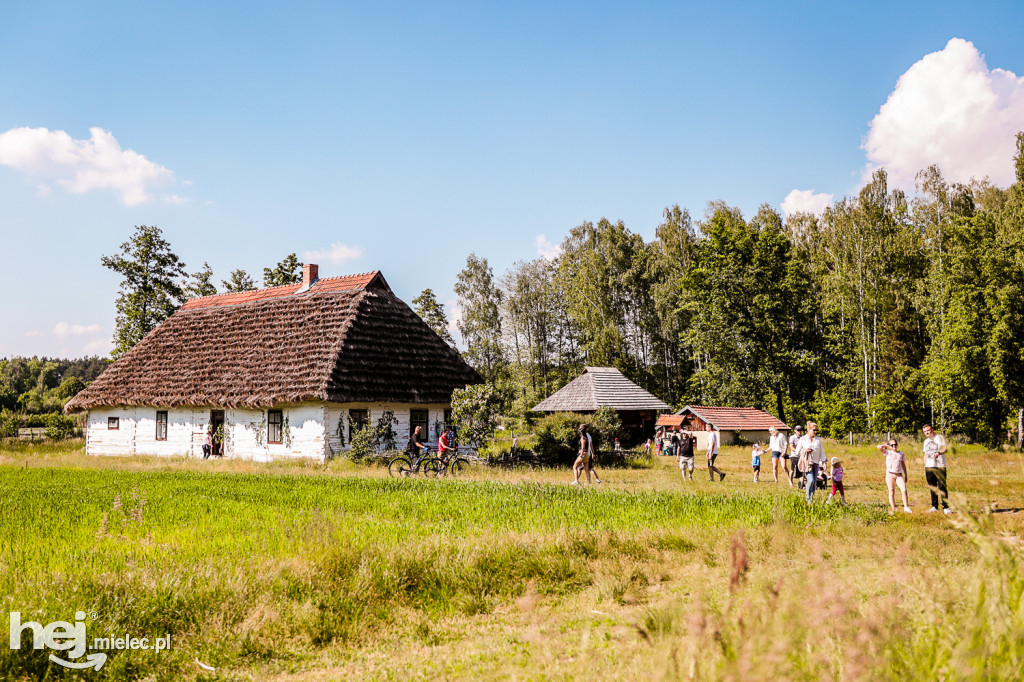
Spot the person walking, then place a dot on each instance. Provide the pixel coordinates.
(713, 454)
(686, 446)
(812, 458)
(208, 443)
(837, 481)
(416, 446)
(593, 456)
(895, 473)
(935, 468)
(755, 461)
(777, 444)
(794, 456)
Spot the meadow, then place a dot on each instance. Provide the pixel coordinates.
(302, 571)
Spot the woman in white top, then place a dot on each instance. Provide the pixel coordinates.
(812, 458)
(777, 444)
(895, 473)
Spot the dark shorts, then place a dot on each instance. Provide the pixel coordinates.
(756, 467)
(776, 454)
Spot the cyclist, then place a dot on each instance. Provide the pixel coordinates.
(445, 444)
(416, 447)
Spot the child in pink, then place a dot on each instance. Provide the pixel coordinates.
(837, 480)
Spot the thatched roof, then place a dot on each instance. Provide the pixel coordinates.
(345, 339)
(734, 418)
(600, 387)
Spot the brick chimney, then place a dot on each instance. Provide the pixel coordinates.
(310, 274)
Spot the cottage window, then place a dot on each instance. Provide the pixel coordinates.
(418, 418)
(357, 421)
(113, 423)
(275, 423)
(161, 425)
(448, 419)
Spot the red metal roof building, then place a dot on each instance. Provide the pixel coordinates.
(736, 424)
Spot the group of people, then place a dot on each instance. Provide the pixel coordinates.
(803, 460)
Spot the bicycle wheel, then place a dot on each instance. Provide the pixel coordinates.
(457, 466)
(400, 467)
(432, 468)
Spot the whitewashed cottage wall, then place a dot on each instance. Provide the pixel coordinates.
(310, 430)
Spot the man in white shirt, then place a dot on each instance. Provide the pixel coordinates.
(713, 454)
(935, 468)
(813, 454)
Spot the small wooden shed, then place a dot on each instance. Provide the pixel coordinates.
(607, 387)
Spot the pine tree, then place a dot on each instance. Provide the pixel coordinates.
(150, 291)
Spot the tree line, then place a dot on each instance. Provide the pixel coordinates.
(883, 313)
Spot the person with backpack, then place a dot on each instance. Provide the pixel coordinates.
(686, 445)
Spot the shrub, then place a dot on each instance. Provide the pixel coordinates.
(59, 426)
(556, 439)
(9, 424)
(364, 443)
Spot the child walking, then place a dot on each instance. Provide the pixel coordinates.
(837, 481)
(755, 461)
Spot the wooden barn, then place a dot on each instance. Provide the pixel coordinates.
(607, 387)
(735, 424)
(289, 371)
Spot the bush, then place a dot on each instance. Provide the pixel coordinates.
(59, 426)
(556, 439)
(364, 443)
(9, 424)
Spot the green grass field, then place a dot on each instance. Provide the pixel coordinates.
(298, 571)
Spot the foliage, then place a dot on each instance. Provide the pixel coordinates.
(9, 423)
(288, 271)
(384, 431)
(475, 412)
(149, 291)
(240, 280)
(69, 388)
(199, 283)
(363, 443)
(431, 311)
(556, 437)
(59, 426)
(480, 323)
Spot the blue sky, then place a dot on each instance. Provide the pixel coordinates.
(402, 136)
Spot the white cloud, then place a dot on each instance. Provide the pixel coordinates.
(949, 109)
(98, 347)
(338, 253)
(83, 165)
(64, 329)
(805, 201)
(175, 199)
(31, 333)
(547, 250)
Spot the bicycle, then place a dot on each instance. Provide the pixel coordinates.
(404, 467)
(453, 464)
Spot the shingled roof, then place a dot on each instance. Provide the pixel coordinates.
(735, 418)
(600, 387)
(343, 339)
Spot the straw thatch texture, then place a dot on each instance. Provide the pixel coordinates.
(362, 345)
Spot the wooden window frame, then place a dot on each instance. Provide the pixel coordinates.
(271, 425)
(425, 423)
(161, 422)
(113, 423)
(354, 424)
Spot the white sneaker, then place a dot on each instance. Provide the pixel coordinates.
(907, 510)
(933, 509)
(947, 510)
(575, 483)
